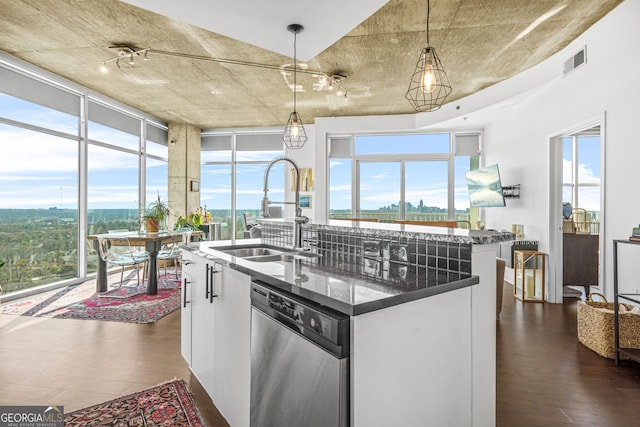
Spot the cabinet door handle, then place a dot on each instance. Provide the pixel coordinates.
(184, 288)
(212, 295)
(207, 280)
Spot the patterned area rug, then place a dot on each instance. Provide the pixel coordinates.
(168, 404)
(125, 304)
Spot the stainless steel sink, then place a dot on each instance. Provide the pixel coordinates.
(249, 252)
(270, 258)
(264, 253)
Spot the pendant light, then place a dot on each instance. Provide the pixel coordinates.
(429, 86)
(294, 134)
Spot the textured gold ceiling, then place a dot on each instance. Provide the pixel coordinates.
(477, 41)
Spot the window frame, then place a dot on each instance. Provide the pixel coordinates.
(235, 136)
(403, 158)
(77, 98)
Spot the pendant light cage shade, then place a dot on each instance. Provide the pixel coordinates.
(294, 134)
(429, 86)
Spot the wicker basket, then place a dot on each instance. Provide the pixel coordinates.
(596, 329)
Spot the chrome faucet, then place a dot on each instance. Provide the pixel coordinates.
(299, 218)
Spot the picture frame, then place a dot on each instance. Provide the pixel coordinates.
(195, 185)
(305, 202)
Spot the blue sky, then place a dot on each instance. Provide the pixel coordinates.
(40, 170)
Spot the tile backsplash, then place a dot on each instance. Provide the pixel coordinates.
(392, 257)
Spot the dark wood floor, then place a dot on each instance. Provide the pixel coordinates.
(78, 363)
(545, 376)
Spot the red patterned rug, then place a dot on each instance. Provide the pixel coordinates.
(124, 304)
(168, 404)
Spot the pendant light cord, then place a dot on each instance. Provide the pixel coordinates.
(295, 66)
(428, 13)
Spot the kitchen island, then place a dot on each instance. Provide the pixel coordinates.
(422, 314)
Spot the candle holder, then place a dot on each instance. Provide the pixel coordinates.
(529, 271)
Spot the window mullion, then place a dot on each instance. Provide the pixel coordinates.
(234, 167)
(403, 198)
(451, 179)
(355, 191)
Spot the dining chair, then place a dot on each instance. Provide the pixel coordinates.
(117, 250)
(172, 252)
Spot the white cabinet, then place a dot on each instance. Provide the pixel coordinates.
(185, 316)
(411, 363)
(232, 359)
(202, 310)
(216, 333)
(198, 314)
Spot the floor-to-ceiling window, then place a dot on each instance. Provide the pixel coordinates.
(39, 193)
(394, 177)
(232, 177)
(59, 170)
(38, 208)
(113, 169)
(157, 165)
(216, 180)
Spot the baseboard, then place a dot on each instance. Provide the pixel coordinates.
(509, 275)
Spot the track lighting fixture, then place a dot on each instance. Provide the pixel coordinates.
(324, 80)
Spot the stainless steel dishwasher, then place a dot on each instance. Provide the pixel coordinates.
(299, 362)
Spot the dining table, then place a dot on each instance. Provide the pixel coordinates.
(152, 242)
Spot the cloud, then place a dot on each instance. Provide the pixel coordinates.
(379, 177)
(585, 175)
(336, 188)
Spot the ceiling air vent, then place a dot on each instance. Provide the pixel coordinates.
(575, 61)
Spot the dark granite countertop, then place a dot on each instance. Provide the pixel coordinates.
(347, 293)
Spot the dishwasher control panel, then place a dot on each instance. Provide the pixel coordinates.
(306, 318)
(301, 314)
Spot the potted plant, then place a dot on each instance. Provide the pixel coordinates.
(192, 221)
(155, 214)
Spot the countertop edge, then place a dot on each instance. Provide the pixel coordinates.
(326, 301)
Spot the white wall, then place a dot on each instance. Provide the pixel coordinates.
(608, 85)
